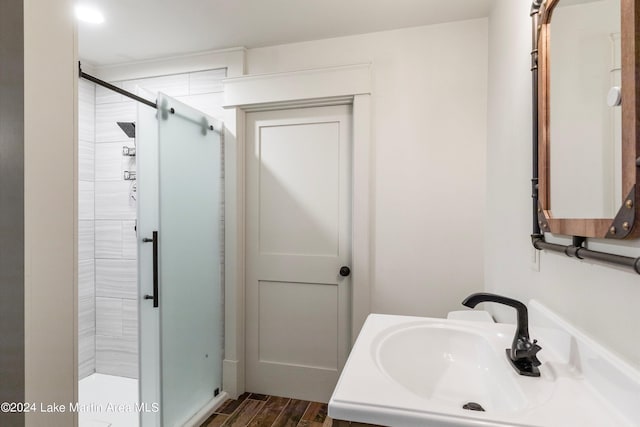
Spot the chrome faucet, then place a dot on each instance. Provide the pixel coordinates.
(522, 353)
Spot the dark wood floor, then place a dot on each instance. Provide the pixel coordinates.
(258, 410)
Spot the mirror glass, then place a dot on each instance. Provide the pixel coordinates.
(585, 124)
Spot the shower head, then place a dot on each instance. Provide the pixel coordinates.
(129, 128)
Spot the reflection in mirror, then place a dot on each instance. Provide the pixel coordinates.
(585, 132)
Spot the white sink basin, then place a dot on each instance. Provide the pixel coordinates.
(419, 372)
(449, 364)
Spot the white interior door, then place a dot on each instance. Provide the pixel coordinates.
(298, 237)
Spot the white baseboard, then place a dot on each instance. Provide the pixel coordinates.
(232, 378)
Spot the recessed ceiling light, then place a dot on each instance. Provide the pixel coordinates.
(89, 14)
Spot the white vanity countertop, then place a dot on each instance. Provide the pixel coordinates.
(581, 384)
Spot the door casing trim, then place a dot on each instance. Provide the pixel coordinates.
(309, 88)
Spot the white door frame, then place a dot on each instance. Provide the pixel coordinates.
(310, 88)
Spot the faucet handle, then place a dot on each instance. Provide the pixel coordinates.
(535, 361)
(535, 348)
(529, 352)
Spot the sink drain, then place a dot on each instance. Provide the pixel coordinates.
(473, 406)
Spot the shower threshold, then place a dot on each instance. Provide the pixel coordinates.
(103, 401)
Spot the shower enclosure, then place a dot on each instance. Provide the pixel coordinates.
(179, 255)
(150, 253)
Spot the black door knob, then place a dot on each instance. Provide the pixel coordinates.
(345, 271)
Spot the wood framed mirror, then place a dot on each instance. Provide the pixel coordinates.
(589, 124)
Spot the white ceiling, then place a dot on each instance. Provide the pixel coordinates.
(136, 30)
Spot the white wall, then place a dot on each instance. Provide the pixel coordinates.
(598, 299)
(50, 104)
(429, 133)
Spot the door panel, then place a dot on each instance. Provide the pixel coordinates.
(299, 167)
(189, 241)
(315, 309)
(147, 204)
(179, 184)
(298, 236)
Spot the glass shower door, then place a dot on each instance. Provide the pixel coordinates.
(179, 233)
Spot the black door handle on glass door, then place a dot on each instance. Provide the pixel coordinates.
(153, 240)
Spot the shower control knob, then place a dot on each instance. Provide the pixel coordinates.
(345, 271)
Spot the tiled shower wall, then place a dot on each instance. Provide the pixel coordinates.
(86, 227)
(115, 252)
(115, 249)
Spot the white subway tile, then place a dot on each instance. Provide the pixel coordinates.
(86, 316)
(86, 155)
(86, 279)
(108, 239)
(116, 278)
(86, 111)
(109, 316)
(107, 96)
(113, 200)
(130, 318)
(109, 161)
(85, 240)
(129, 240)
(85, 200)
(117, 356)
(86, 355)
(107, 116)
